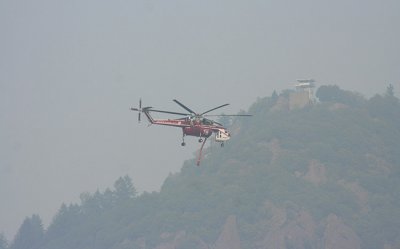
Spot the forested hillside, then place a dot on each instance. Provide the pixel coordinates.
(323, 176)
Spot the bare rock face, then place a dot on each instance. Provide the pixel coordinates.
(339, 236)
(275, 148)
(281, 104)
(378, 165)
(229, 237)
(298, 232)
(360, 193)
(316, 173)
(286, 228)
(172, 244)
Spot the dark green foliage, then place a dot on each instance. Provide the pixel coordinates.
(30, 235)
(269, 159)
(3, 242)
(124, 189)
(336, 95)
(390, 91)
(386, 108)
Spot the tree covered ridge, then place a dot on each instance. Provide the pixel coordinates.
(339, 156)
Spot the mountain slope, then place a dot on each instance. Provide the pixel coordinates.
(324, 176)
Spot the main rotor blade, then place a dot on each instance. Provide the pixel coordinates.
(176, 113)
(184, 107)
(214, 122)
(213, 109)
(218, 123)
(229, 115)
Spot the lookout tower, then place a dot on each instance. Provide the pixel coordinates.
(306, 85)
(304, 94)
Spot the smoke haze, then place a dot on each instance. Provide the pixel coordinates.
(70, 71)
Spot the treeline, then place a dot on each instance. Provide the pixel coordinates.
(76, 225)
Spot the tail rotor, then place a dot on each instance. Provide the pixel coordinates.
(139, 110)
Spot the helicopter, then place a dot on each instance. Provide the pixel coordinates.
(192, 124)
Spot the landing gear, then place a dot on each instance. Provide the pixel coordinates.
(183, 140)
(200, 140)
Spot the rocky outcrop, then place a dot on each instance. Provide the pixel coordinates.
(316, 173)
(378, 165)
(360, 193)
(296, 233)
(174, 242)
(285, 228)
(339, 236)
(275, 148)
(281, 104)
(296, 228)
(229, 237)
(181, 240)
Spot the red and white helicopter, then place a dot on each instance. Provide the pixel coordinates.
(193, 124)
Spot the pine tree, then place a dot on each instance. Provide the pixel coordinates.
(3, 241)
(124, 189)
(30, 234)
(390, 91)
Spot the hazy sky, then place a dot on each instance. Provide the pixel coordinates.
(70, 71)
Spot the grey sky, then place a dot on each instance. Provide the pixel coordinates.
(70, 71)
